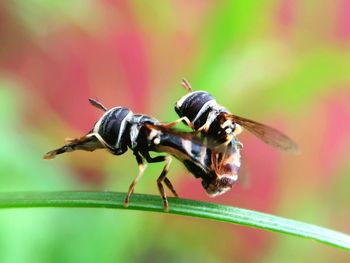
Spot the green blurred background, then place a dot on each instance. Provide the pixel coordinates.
(282, 62)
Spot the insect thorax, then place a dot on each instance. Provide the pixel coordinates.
(137, 129)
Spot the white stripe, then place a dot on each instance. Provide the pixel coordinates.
(122, 128)
(134, 132)
(203, 155)
(101, 140)
(153, 134)
(187, 145)
(206, 106)
(182, 99)
(98, 123)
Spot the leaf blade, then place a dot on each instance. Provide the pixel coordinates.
(177, 206)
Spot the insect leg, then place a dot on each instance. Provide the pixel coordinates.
(97, 104)
(142, 168)
(166, 179)
(156, 159)
(160, 185)
(203, 128)
(162, 177)
(174, 123)
(170, 186)
(85, 143)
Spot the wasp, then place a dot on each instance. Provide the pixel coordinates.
(119, 129)
(200, 111)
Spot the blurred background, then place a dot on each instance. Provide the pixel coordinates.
(285, 63)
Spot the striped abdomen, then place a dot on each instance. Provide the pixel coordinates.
(195, 106)
(112, 128)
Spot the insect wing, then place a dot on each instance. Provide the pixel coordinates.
(267, 134)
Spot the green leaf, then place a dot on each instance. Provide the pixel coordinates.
(177, 206)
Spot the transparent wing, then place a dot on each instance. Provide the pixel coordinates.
(267, 134)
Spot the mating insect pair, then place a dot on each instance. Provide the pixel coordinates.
(214, 156)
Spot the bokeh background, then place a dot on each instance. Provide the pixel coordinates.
(281, 62)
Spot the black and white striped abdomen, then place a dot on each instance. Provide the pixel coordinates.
(195, 106)
(111, 127)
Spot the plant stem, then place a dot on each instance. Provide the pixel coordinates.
(176, 206)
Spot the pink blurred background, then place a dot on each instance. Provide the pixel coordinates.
(285, 63)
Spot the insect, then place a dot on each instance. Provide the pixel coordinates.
(119, 129)
(200, 111)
